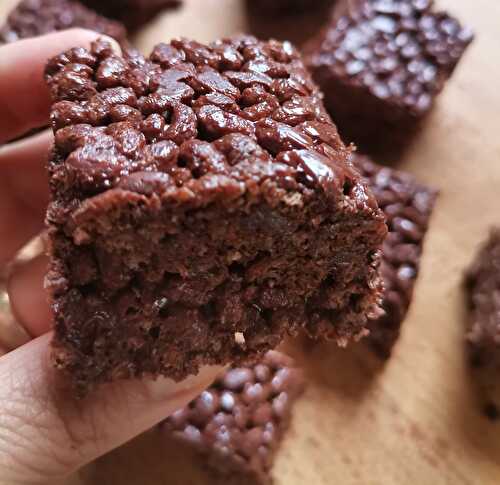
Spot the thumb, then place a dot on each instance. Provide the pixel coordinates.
(45, 434)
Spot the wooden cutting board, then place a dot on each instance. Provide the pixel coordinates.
(415, 420)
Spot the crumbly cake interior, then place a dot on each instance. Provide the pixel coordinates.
(209, 284)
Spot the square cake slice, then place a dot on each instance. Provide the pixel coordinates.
(483, 285)
(31, 18)
(482, 282)
(285, 7)
(133, 13)
(203, 207)
(408, 207)
(381, 64)
(238, 424)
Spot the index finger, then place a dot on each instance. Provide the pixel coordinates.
(24, 96)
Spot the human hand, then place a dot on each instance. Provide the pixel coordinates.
(45, 433)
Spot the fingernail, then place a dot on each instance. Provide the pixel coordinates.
(114, 44)
(85, 37)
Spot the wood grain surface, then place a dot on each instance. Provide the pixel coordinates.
(415, 420)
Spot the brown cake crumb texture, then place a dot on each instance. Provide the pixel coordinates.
(483, 285)
(238, 424)
(203, 207)
(381, 64)
(32, 18)
(407, 206)
(133, 13)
